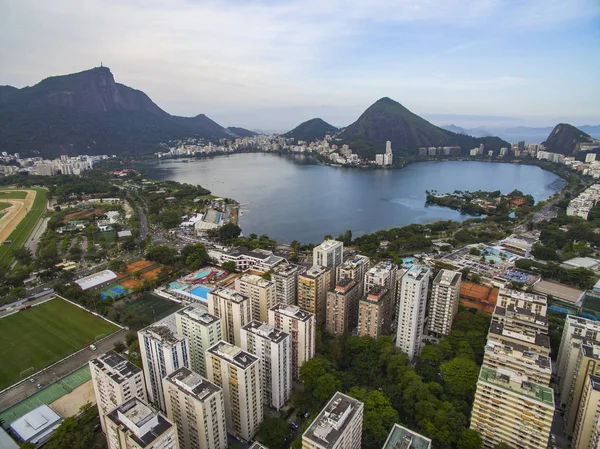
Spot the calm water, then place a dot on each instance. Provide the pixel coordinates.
(290, 199)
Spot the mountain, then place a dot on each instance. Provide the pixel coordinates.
(565, 138)
(89, 113)
(474, 132)
(310, 130)
(241, 132)
(387, 119)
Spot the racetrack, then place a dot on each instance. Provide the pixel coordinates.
(15, 213)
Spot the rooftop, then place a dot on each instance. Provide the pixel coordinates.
(595, 381)
(117, 366)
(381, 268)
(145, 424)
(533, 337)
(523, 296)
(233, 354)
(287, 270)
(164, 331)
(229, 294)
(559, 291)
(375, 293)
(198, 314)
(255, 280)
(37, 425)
(344, 285)
(192, 383)
(93, 280)
(265, 331)
(328, 245)
(582, 262)
(292, 311)
(402, 438)
(356, 260)
(447, 278)
(314, 272)
(416, 272)
(328, 426)
(507, 380)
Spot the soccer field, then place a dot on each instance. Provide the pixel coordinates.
(44, 334)
(152, 306)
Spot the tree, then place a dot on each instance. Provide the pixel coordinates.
(474, 252)
(469, 439)
(325, 387)
(23, 255)
(273, 432)
(163, 254)
(229, 266)
(194, 256)
(460, 377)
(117, 265)
(72, 435)
(378, 417)
(119, 347)
(229, 231)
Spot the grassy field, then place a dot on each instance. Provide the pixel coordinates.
(19, 236)
(145, 304)
(4, 205)
(15, 194)
(44, 334)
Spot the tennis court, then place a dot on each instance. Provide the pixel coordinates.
(114, 292)
(46, 395)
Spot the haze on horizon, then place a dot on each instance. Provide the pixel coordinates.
(272, 64)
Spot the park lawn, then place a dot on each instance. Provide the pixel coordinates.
(152, 306)
(19, 236)
(14, 194)
(44, 334)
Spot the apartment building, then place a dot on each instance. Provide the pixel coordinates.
(197, 408)
(338, 426)
(576, 332)
(588, 364)
(273, 347)
(538, 304)
(403, 438)
(162, 351)
(328, 254)
(375, 312)
(115, 380)
(587, 429)
(257, 259)
(356, 269)
(412, 306)
(342, 307)
(233, 309)
(202, 331)
(384, 274)
(135, 425)
(510, 409)
(262, 294)
(312, 291)
(237, 372)
(443, 305)
(301, 326)
(286, 283)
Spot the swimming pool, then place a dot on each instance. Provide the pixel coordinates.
(201, 274)
(200, 291)
(175, 286)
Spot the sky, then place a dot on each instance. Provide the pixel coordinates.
(272, 64)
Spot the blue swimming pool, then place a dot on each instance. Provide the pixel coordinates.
(200, 291)
(175, 285)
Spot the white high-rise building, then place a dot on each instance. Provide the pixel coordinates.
(338, 426)
(445, 296)
(115, 380)
(197, 408)
(412, 306)
(135, 425)
(355, 269)
(301, 326)
(383, 274)
(274, 349)
(162, 351)
(576, 332)
(261, 293)
(237, 372)
(328, 254)
(587, 429)
(286, 283)
(233, 309)
(202, 331)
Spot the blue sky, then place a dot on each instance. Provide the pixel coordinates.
(272, 64)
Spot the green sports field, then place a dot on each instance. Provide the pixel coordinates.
(44, 334)
(16, 194)
(152, 306)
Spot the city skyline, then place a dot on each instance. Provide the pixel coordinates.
(270, 66)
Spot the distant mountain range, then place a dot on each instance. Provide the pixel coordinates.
(89, 113)
(514, 134)
(311, 130)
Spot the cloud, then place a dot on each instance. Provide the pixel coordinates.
(242, 56)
